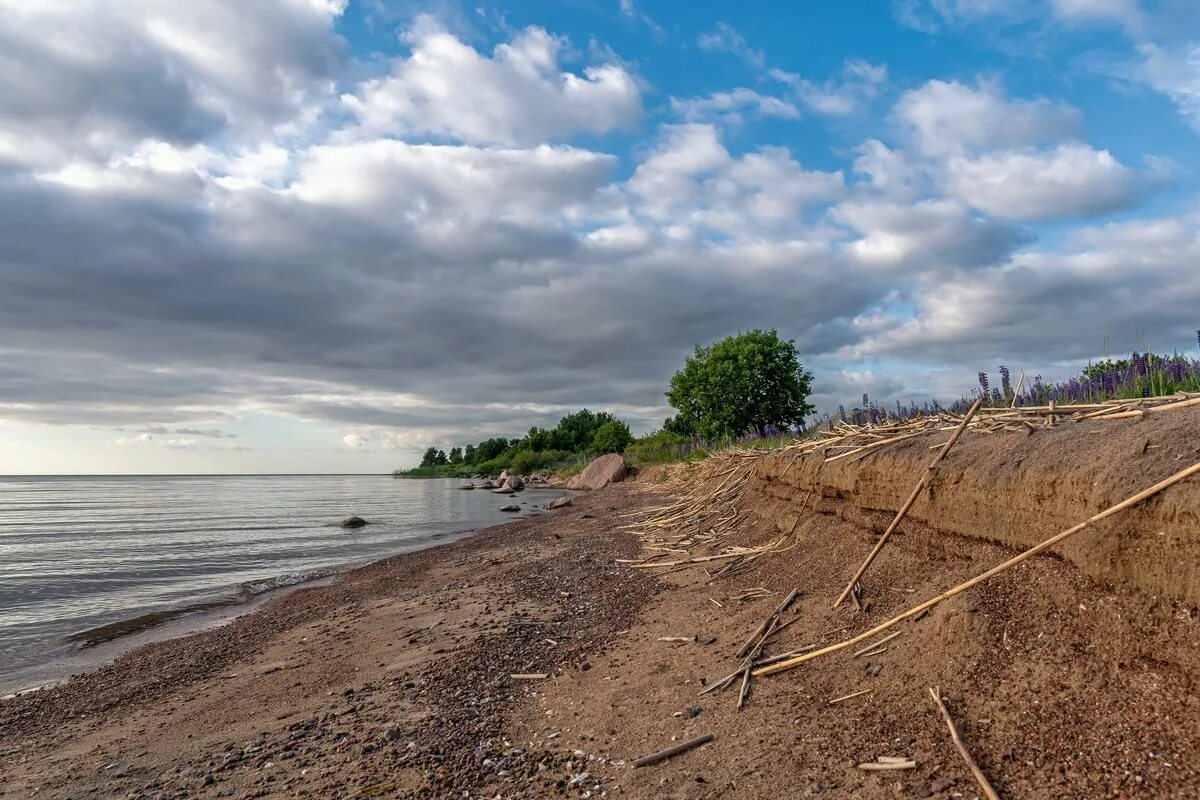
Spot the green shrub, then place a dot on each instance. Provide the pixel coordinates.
(612, 437)
(659, 447)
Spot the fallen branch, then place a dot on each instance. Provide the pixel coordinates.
(962, 587)
(912, 499)
(837, 700)
(936, 694)
(673, 750)
(889, 764)
(761, 631)
(874, 645)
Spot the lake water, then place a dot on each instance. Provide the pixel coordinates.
(92, 565)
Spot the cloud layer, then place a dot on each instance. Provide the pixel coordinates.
(210, 212)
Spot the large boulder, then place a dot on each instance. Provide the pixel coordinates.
(600, 473)
(515, 483)
(353, 522)
(502, 478)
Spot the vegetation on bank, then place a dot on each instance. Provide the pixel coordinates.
(750, 390)
(562, 450)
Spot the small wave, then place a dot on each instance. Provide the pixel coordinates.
(246, 592)
(255, 588)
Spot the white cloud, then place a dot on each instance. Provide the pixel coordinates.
(144, 438)
(946, 117)
(729, 107)
(87, 78)
(891, 172)
(1176, 73)
(724, 38)
(1126, 13)
(928, 235)
(859, 83)
(630, 10)
(692, 181)
(355, 440)
(447, 184)
(518, 95)
(1074, 298)
(1069, 180)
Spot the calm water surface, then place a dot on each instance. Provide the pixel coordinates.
(87, 562)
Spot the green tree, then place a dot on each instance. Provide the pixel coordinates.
(456, 455)
(430, 457)
(612, 437)
(489, 449)
(742, 383)
(469, 455)
(575, 432)
(440, 458)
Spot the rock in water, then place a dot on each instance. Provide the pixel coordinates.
(503, 490)
(513, 507)
(353, 522)
(600, 473)
(467, 486)
(561, 502)
(486, 485)
(515, 483)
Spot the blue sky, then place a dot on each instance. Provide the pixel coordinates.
(311, 235)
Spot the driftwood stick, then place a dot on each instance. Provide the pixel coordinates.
(761, 630)
(673, 750)
(912, 499)
(1017, 391)
(873, 645)
(1145, 494)
(845, 697)
(988, 791)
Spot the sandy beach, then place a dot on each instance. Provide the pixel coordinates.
(398, 680)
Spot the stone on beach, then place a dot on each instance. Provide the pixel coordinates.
(560, 502)
(352, 522)
(600, 473)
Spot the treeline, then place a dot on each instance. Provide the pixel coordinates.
(579, 435)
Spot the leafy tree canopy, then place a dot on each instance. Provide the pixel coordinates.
(612, 437)
(742, 383)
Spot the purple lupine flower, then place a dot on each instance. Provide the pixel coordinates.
(1005, 380)
(983, 382)
(842, 412)
(866, 402)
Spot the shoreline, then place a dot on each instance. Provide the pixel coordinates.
(541, 659)
(235, 660)
(71, 644)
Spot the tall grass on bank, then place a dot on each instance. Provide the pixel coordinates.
(1140, 375)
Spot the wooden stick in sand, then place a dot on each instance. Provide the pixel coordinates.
(673, 750)
(760, 631)
(1145, 494)
(912, 499)
(1020, 383)
(988, 791)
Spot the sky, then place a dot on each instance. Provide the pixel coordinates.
(320, 236)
